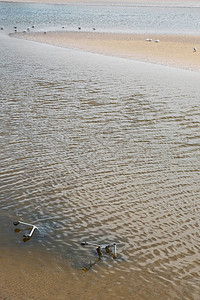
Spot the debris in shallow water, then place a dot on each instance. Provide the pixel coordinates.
(30, 227)
(103, 247)
(110, 249)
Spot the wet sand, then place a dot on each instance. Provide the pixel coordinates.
(40, 275)
(171, 50)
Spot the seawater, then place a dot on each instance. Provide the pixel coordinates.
(105, 18)
(102, 149)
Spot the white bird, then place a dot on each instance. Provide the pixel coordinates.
(194, 49)
(156, 41)
(149, 40)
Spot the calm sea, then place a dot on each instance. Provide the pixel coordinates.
(103, 150)
(108, 18)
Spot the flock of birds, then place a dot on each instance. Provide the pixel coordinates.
(33, 26)
(157, 41)
(79, 28)
(150, 40)
(15, 28)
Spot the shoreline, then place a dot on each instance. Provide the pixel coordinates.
(171, 3)
(169, 50)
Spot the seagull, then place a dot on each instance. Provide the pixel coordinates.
(149, 40)
(194, 49)
(156, 41)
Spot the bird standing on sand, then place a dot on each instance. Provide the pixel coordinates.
(194, 49)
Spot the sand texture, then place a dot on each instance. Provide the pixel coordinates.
(175, 51)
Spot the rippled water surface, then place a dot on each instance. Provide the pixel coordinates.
(105, 150)
(107, 18)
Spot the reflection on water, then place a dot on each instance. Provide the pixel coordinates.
(102, 150)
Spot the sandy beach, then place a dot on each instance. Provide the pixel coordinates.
(170, 50)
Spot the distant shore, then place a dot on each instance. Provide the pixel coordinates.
(174, 3)
(170, 50)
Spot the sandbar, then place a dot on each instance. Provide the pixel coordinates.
(169, 50)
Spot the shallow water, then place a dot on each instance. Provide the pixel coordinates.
(105, 18)
(98, 149)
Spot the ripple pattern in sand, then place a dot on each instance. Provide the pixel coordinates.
(91, 153)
